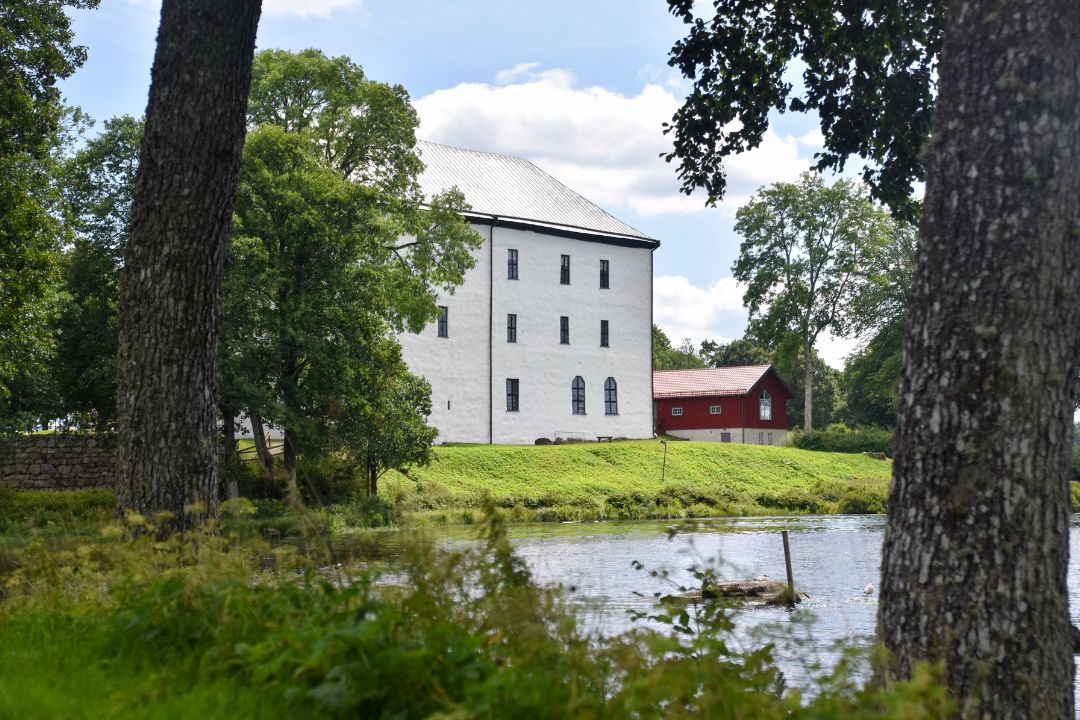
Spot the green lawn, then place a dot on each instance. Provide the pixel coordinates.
(629, 480)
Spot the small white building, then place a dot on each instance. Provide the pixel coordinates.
(550, 335)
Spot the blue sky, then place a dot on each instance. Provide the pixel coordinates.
(579, 88)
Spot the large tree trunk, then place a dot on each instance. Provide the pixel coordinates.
(180, 216)
(976, 546)
(262, 452)
(808, 387)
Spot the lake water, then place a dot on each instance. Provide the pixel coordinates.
(834, 559)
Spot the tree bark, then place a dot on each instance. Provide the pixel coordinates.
(170, 302)
(289, 456)
(976, 545)
(262, 452)
(808, 388)
(228, 451)
(372, 478)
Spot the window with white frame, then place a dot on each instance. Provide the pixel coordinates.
(676, 411)
(765, 406)
(760, 438)
(714, 409)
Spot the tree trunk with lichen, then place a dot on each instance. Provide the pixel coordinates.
(808, 387)
(976, 545)
(180, 217)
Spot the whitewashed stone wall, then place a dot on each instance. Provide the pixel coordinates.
(458, 367)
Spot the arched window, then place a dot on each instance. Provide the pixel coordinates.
(611, 397)
(765, 409)
(577, 396)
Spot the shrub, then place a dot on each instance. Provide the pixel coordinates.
(62, 508)
(857, 496)
(326, 479)
(841, 438)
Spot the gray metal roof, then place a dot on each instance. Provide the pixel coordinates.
(510, 187)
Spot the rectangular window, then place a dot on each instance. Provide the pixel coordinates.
(714, 409)
(770, 438)
(604, 275)
(444, 321)
(511, 327)
(761, 438)
(564, 330)
(725, 437)
(603, 333)
(564, 271)
(511, 265)
(511, 394)
(676, 411)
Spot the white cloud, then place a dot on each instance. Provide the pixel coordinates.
(684, 310)
(602, 143)
(520, 70)
(306, 8)
(833, 350)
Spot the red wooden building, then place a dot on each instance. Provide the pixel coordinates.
(743, 404)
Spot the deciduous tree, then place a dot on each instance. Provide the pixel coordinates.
(741, 351)
(36, 50)
(98, 183)
(170, 290)
(976, 545)
(335, 250)
(801, 260)
(666, 357)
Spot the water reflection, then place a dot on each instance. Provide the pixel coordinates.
(834, 559)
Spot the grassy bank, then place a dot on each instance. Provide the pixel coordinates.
(629, 480)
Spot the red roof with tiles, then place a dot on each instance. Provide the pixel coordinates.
(737, 380)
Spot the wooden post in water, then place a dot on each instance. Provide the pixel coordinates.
(787, 564)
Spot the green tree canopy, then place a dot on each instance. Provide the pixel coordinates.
(334, 250)
(741, 351)
(665, 357)
(872, 374)
(867, 72)
(98, 183)
(36, 50)
(805, 246)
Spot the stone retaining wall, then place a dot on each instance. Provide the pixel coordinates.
(56, 462)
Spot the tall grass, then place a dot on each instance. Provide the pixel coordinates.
(212, 626)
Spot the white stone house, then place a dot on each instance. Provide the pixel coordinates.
(550, 335)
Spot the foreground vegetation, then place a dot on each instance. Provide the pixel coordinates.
(213, 626)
